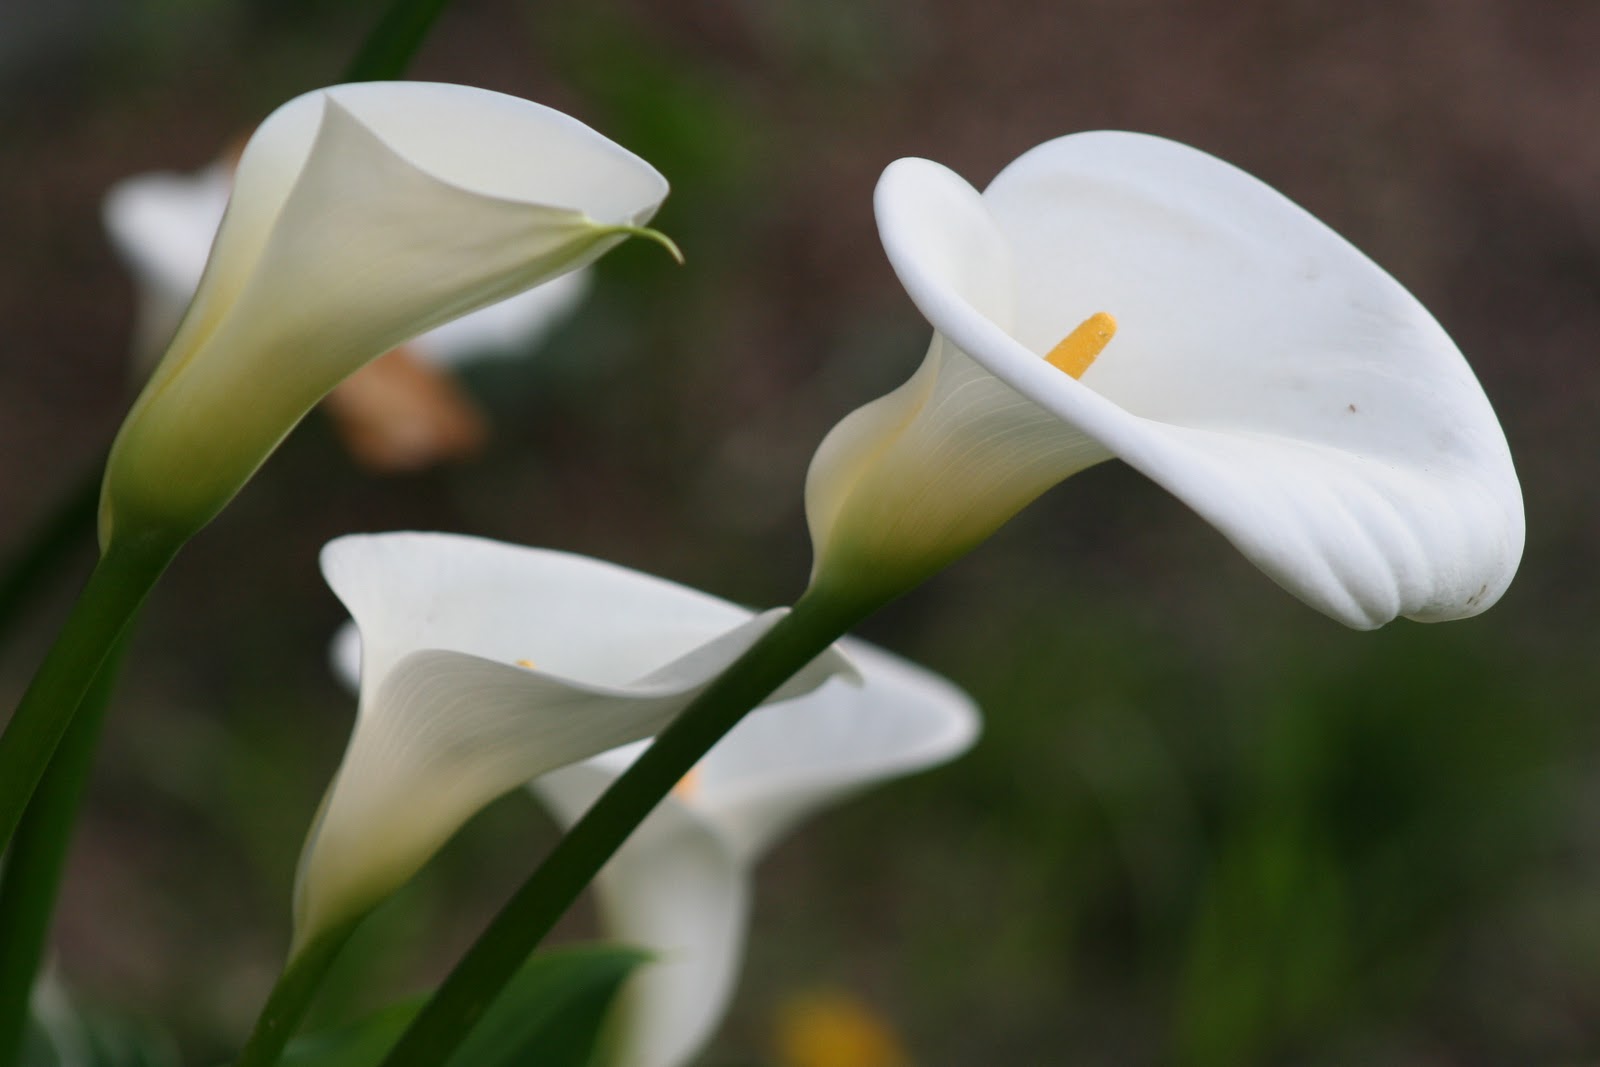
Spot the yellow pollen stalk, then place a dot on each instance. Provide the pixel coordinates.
(1075, 352)
(527, 663)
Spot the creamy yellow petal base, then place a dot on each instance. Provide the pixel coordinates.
(915, 479)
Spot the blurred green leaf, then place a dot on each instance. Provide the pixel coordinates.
(557, 1004)
(357, 1044)
(555, 1007)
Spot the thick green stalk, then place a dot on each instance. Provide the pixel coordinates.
(816, 622)
(388, 49)
(119, 584)
(289, 999)
(38, 853)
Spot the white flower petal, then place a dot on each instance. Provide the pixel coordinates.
(790, 759)
(678, 890)
(448, 721)
(990, 449)
(569, 615)
(506, 330)
(162, 226)
(361, 216)
(444, 735)
(1264, 371)
(679, 884)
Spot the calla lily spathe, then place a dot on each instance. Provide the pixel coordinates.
(402, 412)
(162, 226)
(361, 215)
(483, 665)
(680, 886)
(1261, 369)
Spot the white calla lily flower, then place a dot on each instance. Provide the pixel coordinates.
(402, 412)
(680, 886)
(482, 665)
(1250, 361)
(162, 226)
(361, 215)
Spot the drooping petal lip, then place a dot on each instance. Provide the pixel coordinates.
(790, 758)
(1265, 371)
(565, 614)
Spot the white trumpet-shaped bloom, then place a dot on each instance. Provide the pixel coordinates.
(482, 665)
(360, 216)
(680, 886)
(1119, 295)
(162, 226)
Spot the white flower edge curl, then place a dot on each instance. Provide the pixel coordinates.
(361, 215)
(681, 885)
(1265, 372)
(483, 665)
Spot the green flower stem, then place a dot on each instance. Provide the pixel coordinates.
(38, 852)
(816, 621)
(119, 584)
(388, 49)
(289, 999)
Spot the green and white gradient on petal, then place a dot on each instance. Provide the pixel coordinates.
(162, 226)
(361, 215)
(681, 885)
(482, 665)
(1262, 370)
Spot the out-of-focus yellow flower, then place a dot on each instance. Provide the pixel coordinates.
(830, 1028)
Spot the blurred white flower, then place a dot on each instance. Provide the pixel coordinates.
(481, 666)
(680, 886)
(1254, 364)
(360, 216)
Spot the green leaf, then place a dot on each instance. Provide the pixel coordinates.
(356, 1045)
(556, 1007)
(553, 1013)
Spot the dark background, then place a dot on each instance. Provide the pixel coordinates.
(1205, 826)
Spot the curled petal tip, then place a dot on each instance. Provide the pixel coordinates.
(658, 237)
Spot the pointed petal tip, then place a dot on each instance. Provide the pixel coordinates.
(656, 236)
